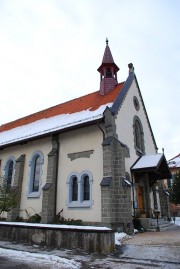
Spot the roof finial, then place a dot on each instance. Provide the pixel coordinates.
(107, 41)
(131, 68)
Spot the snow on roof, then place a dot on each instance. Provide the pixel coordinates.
(148, 161)
(72, 113)
(174, 162)
(48, 125)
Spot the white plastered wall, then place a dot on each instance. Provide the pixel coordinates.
(32, 205)
(84, 139)
(124, 128)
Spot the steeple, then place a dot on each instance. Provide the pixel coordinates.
(108, 72)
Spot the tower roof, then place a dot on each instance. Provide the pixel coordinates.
(108, 58)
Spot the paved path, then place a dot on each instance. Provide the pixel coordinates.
(165, 238)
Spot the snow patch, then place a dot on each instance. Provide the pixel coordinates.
(52, 261)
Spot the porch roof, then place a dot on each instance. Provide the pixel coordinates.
(154, 164)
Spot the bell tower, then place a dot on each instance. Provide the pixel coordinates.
(108, 72)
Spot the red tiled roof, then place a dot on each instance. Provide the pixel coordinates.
(91, 101)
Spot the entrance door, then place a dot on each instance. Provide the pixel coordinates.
(140, 198)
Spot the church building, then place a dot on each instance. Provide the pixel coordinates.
(93, 158)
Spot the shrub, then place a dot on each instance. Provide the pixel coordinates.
(34, 219)
(61, 220)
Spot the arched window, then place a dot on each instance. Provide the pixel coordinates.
(9, 171)
(74, 188)
(79, 190)
(35, 174)
(138, 136)
(108, 73)
(86, 188)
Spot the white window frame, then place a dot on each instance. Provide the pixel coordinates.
(30, 193)
(80, 203)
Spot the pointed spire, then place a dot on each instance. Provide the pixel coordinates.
(108, 71)
(107, 58)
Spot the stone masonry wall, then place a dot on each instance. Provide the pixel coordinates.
(54, 236)
(116, 198)
(49, 190)
(164, 200)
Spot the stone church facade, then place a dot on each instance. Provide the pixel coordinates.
(93, 158)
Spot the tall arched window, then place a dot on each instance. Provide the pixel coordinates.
(138, 136)
(35, 174)
(74, 188)
(9, 171)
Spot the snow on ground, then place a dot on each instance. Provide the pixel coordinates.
(48, 261)
(53, 261)
(119, 238)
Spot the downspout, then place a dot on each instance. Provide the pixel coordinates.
(57, 159)
(101, 130)
(133, 192)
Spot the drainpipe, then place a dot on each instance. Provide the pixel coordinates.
(133, 184)
(101, 130)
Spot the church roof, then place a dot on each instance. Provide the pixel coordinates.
(155, 165)
(174, 162)
(81, 110)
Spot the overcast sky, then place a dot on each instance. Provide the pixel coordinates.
(50, 51)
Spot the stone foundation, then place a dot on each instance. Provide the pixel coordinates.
(87, 238)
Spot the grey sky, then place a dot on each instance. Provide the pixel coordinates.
(50, 52)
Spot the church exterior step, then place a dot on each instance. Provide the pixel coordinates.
(152, 225)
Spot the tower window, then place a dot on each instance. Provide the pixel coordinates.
(108, 73)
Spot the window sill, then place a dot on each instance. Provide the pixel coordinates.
(84, 204)
(33, 195)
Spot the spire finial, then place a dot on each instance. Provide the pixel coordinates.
(107, 41)
(131, 68)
